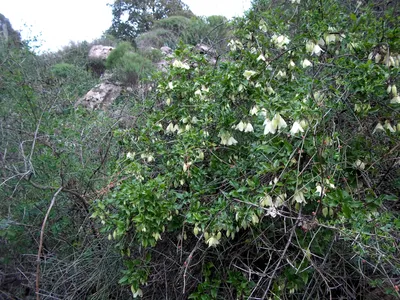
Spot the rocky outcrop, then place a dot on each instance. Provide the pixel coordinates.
(166, 50)
(101, 96)
(99, 52)
(7, 33)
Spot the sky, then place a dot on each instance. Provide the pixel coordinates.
(55, 23)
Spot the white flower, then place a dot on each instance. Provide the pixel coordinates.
(212, 241)
(186, 166)
(280, 41)
(359, 164)
(170, 127)
(310, 46)
(261, 57)
(295, 1)
(170, 85)
(280, 200)
(270, 90)
(136, 293)
(378, 58)
(235, 44)
(269, 127)
(249, 74)
(388, 126)
(281, 74)
(272, 212)
(266, 201)
(319, 190)
(395, 100)
(299, 197)
(330, 38)
(317, 50)
(197, 93)
(168, 101)
(181, 65)
(249, 128)
(378, 127)
(296, 128)
(291, 64)
(130, 155)
(240, 126)
(227, 139)
(277, 123)
(306, 63)
(253, 111)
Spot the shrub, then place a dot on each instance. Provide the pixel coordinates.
(279, 163)
(156, 39)
(175, 24)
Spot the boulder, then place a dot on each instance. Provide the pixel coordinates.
(166, 50)
(100, 97)
(99, 52)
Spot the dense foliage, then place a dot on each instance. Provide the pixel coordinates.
(274, 174)
(266, 167)
(133, 17)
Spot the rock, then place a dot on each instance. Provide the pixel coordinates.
(99, 52)
(7, 33)
(100, 97)
(166, 50)
(162, 65)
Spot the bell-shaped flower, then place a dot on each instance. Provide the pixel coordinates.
(130, 155)
(280, 200)
(317, 50)
(272, 212)
(270, 90)
(269, 128)
(395, 100)
(171, 85)
(358, 164)
(281, 74)
(249, 127)
(266, 201)
(212, 241)
(136, 293)
(310, 46)
(291, 64)
(170, 127)
(280, 41)
(227, 139)
(181, 65)
(279, 122)
(306, 63)
(248, 74)
(388, 126)
(296, 128)
(299, 197)
(319, 190)
(253, 111)
(378, 127)
(241, 126)
(261, 57)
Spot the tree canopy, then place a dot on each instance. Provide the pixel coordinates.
(133, 17)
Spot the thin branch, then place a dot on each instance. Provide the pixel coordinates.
(53, 200)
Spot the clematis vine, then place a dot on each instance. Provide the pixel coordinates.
(280, 41)
(296, 127)
(180, 65)
(306, 63)
(227, 139)
(248, 74)
(277, 123)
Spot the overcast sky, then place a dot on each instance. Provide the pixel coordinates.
(57, 22)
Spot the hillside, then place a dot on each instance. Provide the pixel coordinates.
(205, 158)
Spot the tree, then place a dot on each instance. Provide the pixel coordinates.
(141, 14)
